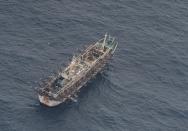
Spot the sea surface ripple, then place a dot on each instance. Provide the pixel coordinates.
(143, 88)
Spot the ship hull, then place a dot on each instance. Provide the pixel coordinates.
(82, 69)
(46, 101)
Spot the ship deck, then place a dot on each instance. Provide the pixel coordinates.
(82, 62)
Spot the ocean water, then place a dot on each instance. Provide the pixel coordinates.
(143, 88)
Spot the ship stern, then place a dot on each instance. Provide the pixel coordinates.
(48, 102)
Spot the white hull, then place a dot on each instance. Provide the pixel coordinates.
(44, 100)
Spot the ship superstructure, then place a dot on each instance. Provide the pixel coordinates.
(82, 68)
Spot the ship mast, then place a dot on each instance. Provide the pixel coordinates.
(105, 36)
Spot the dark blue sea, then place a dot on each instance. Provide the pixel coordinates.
(143, 88)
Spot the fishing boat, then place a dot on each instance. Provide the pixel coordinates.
(67, 82)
